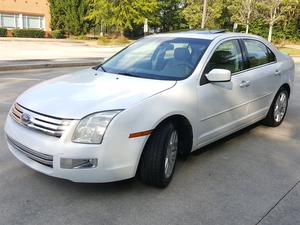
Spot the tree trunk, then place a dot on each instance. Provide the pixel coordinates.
(204, 14)
(248, 21)
(101, 29)
(270, 32)
(122, 31)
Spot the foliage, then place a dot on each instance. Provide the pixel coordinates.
(136, 32)
(121, 40)
(170, 15)
(3, 32)
(243, 12)
(70, 16)
(57, 34)
(122, 14)
(193, 13)
(29, 33)
(99, 12)
(80, 37)
(290, 51)
(279, 18)
(57, 14)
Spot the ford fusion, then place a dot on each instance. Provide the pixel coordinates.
(162, 97)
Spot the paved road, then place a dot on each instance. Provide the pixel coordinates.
(249, 178)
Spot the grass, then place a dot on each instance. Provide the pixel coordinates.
(290, 51)
(113, 41)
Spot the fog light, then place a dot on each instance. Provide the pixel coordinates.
(78, 163)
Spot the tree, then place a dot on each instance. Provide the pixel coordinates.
(170, 16)
(204, 14)
(99, 14)
(242, 10)
(291, 12)
(274, 11)
(57, 13)
(122, 14)
(193, 13)
(69, 15)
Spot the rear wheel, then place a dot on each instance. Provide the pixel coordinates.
(278, 109)
(159, 156)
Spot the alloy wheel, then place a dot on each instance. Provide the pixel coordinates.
(172, 149)
(280, 107)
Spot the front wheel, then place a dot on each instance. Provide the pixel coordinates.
(278, 109)
(159, 156)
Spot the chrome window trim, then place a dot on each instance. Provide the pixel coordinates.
(238, 38)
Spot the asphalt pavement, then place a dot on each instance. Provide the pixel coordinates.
(28, 53)
(249, 178)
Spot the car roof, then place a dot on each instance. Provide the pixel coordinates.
(204, 34)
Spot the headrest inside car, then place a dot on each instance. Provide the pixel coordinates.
(182, 54)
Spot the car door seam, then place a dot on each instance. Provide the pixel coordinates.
(235, 107)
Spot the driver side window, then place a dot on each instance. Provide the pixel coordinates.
(227, 56)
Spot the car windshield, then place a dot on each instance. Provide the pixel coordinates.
(158, 58)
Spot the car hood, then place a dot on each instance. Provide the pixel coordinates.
(88, 91)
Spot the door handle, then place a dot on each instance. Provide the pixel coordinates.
(277, 73)
(245, 83)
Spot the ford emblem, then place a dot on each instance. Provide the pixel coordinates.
(25, 118)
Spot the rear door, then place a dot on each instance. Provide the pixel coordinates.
(263, 76)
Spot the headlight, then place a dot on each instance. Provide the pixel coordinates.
(91, 129)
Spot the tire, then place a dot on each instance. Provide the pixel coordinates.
(153, 168)
(278, 109)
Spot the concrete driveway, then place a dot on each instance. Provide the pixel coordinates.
(249, 178)
(16, 49)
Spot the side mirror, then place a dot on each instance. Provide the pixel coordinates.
(219, 75)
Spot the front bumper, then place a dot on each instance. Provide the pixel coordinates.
(117, 156)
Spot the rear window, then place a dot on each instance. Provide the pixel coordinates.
(258, 53)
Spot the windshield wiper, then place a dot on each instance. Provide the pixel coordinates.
(102, 68)
(129, 74)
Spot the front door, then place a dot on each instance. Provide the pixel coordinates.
(222, 105)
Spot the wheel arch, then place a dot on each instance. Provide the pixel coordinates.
(185, 129)
(287, 87)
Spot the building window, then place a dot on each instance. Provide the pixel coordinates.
(9, 20)
(22, 21)
(33, 22)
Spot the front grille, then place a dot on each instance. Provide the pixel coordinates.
(46, 124)
(44, 159)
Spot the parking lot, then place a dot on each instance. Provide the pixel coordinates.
(249, 178)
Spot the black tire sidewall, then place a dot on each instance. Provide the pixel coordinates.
(152, 163)
(166, 180)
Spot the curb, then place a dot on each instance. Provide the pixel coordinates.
(40, 40)
(48, 65)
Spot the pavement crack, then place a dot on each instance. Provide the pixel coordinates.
(271, 209)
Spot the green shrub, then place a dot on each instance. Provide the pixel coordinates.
(80, 37)
(57, 34)
(103, 41)
(29, 33)
(113, 40)
(3, 32)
